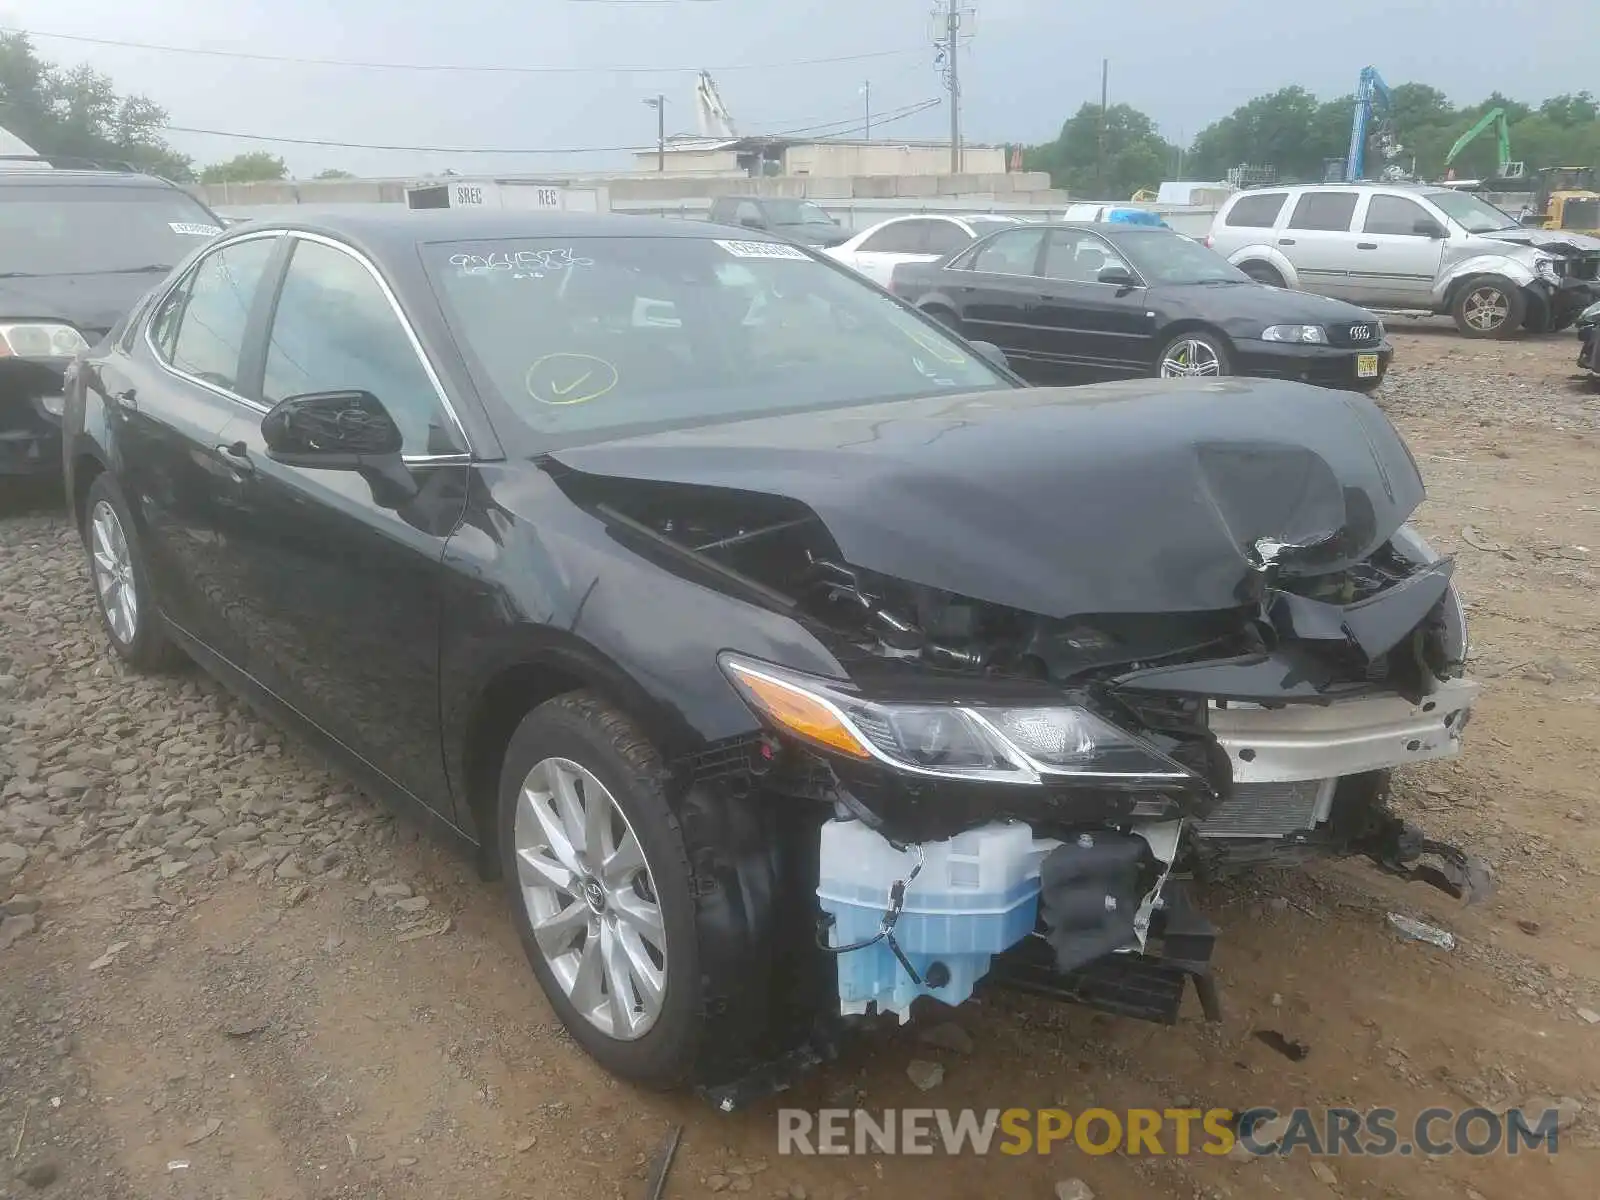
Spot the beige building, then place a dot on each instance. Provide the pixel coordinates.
(829, 159)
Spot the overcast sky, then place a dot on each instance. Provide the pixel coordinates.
(1027, 66)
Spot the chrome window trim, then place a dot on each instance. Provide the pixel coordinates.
(166, 294)
(383, 286)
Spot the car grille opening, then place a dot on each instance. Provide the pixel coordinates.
(1270, 810)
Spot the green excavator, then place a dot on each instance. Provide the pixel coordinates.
(1505, 168)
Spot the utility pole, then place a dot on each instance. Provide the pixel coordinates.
(1105, 95)
(866, 92)
(659, 103)
(952, 38)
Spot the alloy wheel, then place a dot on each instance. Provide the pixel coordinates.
(112, 568)
(1189, 358)
(1486, 309)
(591, 898)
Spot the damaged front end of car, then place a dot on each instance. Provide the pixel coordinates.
(1223, 640)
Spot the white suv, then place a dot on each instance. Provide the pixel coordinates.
(1410, 247)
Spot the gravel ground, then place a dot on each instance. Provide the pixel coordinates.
(226, 973)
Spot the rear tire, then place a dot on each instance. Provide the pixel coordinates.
(616, 949)
(944, 316)
(1489, 307)
(123, 595)
(1264, 273)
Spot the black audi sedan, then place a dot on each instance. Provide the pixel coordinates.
(783, 653)
(1070, 302)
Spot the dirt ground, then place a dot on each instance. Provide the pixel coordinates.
(225, 974)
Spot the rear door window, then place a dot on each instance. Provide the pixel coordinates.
(1258, 211)
(903, 237)
(201, 327)
(945, 237)
(1327, 211)
(1015, 252)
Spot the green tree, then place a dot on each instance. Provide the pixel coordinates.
(79, 113)
(334, 173)
(1273, 130)
(1135, 155)
(255, 166)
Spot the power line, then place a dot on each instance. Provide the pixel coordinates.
(207, 52)
(819, 131)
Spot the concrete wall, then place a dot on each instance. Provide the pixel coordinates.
(888, 159)
(1021, 186)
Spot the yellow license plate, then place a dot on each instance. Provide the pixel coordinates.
(1366, 366)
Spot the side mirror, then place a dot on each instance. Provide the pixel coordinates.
(341, 431)
(752, 222)
(992, 354)
(1429, 228)
(1117, 276)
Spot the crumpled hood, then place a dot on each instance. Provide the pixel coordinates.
(91, 304)
(1145, 496)
(1547, 239)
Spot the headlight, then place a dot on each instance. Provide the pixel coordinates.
(1590, 315)
(40, 340)
(1545, 266)
(970, 741)
(1305, 334)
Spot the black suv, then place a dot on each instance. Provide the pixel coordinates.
(797, 220)
(78, 248)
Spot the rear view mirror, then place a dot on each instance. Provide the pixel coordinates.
(1429, 228)
(322, 428)
(341, 431)
(992, 354)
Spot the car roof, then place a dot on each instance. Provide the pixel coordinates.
(406, 228)
(25, 174)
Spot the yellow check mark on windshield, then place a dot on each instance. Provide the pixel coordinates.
(566, 391)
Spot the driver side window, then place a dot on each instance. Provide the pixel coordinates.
(335, 330)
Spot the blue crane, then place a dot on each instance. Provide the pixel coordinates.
(1372, 97)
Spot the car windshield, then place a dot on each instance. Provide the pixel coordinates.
(65, 230)
(796, 212)
(1164, 257)
(1472, 213)
(590, 337)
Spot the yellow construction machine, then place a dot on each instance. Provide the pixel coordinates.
(1565, 198)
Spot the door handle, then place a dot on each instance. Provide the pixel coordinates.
(237, 456)
(1285, 241)
(1366, 245)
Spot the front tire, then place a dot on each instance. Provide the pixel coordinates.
(599, 884)
(123, 595)
(1194, 354)
(1489, 307)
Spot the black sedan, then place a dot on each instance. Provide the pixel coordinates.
(1066, 302)
(697, 584)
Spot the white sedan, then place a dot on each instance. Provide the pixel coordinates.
(926, 237)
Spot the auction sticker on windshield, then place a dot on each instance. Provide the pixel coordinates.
(194, 229)
(762, 250)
